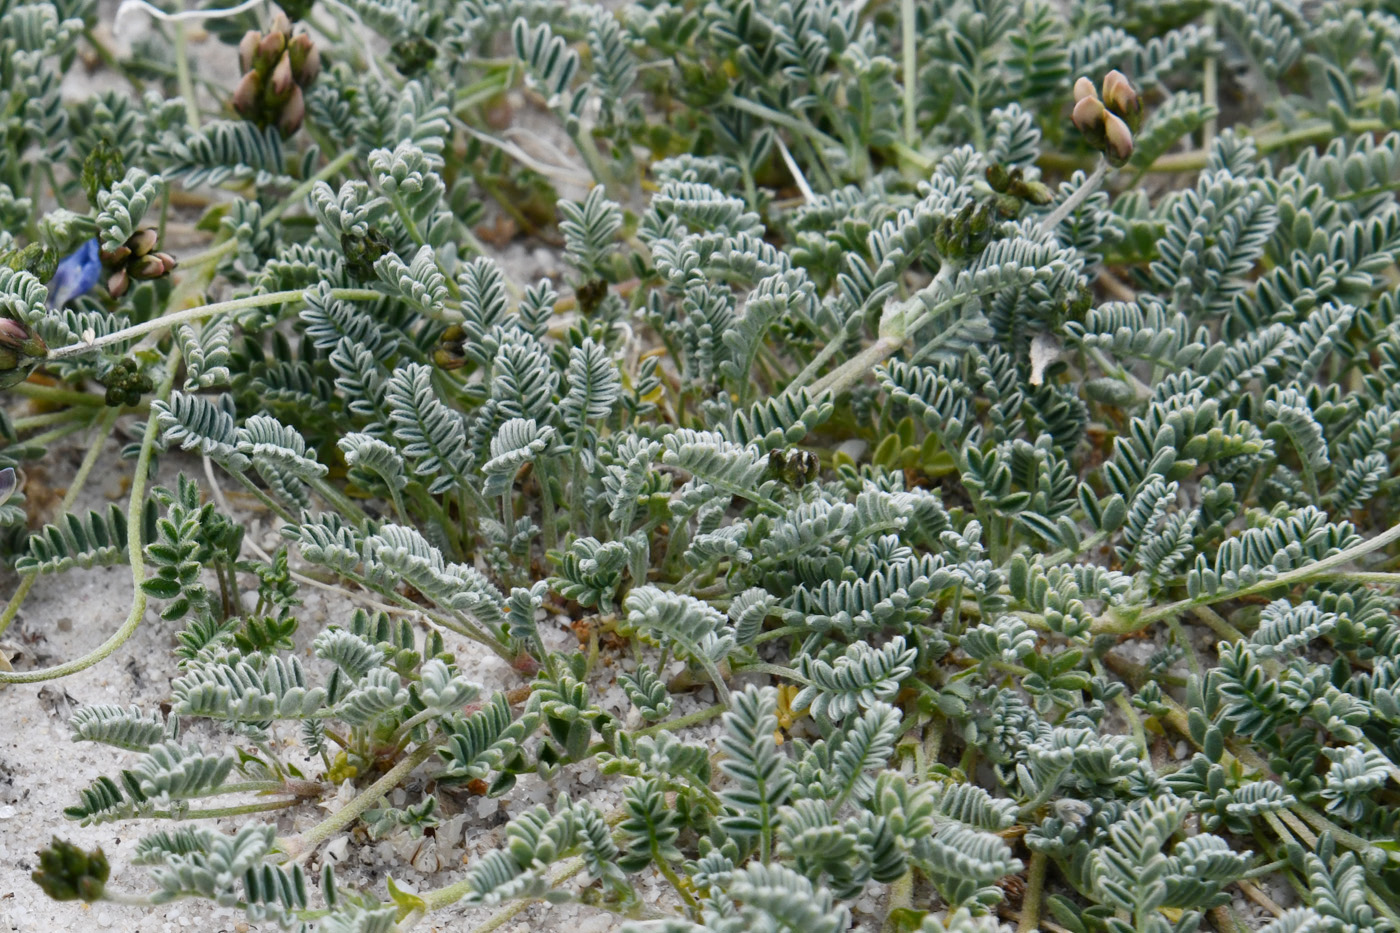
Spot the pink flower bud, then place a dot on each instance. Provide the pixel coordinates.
(1119, 140)
(247, 48)
(1121, 98)
(293, 111)
(245, 96)
(143, 240)
(269, 50)
(306, 59)
(282, 82)
(147, 267)
(1084, 88)
(1089, 116)
(19, 347)
(117, 283)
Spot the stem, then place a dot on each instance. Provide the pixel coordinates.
(136, 556)
(670, 875)
(1035, 891)
(26, 583)
(1315, 569)
(42, 393)
(795, 171)
(298, 848)
(338, 499)
(1210, 85)
(681, 722)
(183, 78)
(800, 127)
(272, 504)
(53, 417)
(832, 347)
(909, 49)
(1091, 184)
(203, 311)
(776, 670)
(409, 724)
(841, 379)
(721, 690)
(214, 813)
(1218, 625)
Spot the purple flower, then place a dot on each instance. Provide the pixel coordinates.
(76, 275)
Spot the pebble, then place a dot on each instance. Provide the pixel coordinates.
(597, 924)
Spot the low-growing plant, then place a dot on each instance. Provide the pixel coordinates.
(925, 378)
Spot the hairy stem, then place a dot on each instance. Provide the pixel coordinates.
(1321, 568)
(201, 312)
(1035, 893)
(1091, 184)
(299, 848)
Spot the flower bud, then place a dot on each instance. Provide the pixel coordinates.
(282, 82)
(67, 873)
(305, 59)
(148, 267)
(276, 66)
(16, 337)
(293, 111)
(247, 48)
(1089, 118)
(9, 483)
(1084, 88)
(1120, 98)
(143, 240)
(1118, 138)
(1037, 192)
(269, 50)
(998, 177)
(118, 282)
(1008, 206)
(245, 96)
(20, 350)
(448, 353)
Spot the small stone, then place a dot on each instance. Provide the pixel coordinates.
(597, 924)
(337, 848)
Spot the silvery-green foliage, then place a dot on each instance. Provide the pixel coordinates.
(880, 420)
(122, 207)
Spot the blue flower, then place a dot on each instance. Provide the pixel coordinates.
(76, 275)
